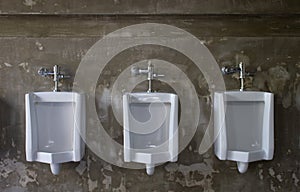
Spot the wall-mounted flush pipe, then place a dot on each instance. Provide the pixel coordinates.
(55, 74)
(242, 73)
(242, 76)
(149, 72)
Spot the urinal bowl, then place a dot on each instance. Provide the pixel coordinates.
(53, 124)
(150, 128)
(244, 128)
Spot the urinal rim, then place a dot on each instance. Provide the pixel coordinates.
(150, 94)
(244, 92)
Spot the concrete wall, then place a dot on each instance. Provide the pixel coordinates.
(36, 33)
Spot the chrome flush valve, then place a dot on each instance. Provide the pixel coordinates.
(149, 72)
(242, 73)
(55, 74)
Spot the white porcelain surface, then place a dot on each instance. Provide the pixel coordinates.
(244, 126)
(53, 121)
(150, 128)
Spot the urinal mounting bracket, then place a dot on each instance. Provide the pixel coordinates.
(149, 72)
(55, 74)
(242, 73)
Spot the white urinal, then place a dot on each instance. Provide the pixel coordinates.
(150, 128)
(244, 127)
(53, 121)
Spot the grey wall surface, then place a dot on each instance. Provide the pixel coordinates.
(39, 33)
(149, 7)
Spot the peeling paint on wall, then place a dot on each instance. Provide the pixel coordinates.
(8, 166)
(272, 186)
(81, 168)
(116, 2)
(92, 185)
(24, 65)
(107, 178)
(297, 97)
(29, 3)
(7, 64)
(271, 172)
(278, 77)
(279, 178)
(39, 46)
(198, 174)
(296, 180)
(121, 188)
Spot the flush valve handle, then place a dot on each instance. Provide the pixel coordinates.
(43, 72)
